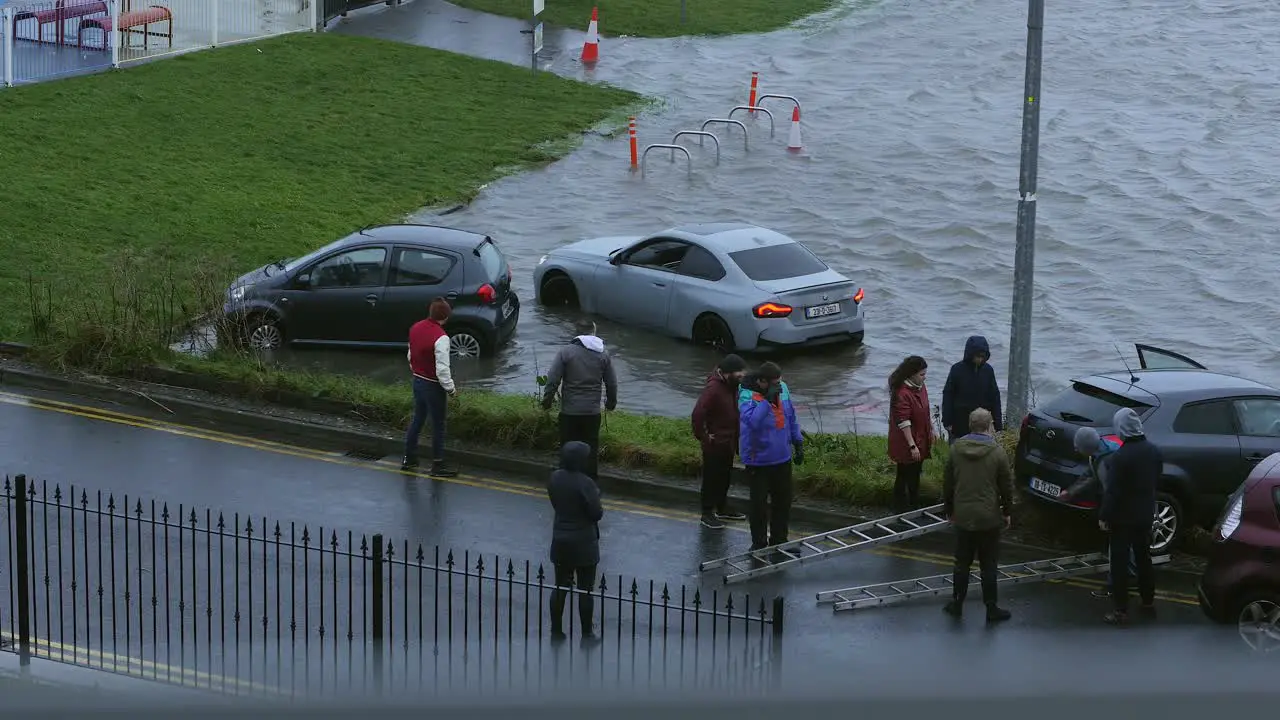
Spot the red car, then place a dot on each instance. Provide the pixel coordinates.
(1241, 582)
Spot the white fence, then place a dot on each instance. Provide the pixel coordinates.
(54, 38)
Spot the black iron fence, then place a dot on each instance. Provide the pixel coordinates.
(247, 605)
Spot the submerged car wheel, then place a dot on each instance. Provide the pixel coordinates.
(465, 344)
(1167, 527)
(263, 333)
(558, 289)
(711, 330)
(1259, 621)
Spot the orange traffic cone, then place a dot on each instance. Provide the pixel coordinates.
(793, 143)
(591, 48)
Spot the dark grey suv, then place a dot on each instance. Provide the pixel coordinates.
(369, 288)
(1211, 428)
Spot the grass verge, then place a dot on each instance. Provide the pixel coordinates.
(843, 467)
(661, 18)
(227, 159)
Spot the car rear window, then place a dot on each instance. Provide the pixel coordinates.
(494, 262)
(778, 262)
(1084, 404)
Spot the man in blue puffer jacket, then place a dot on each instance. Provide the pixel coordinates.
(769, 440)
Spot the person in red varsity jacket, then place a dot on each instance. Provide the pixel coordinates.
(432, 385)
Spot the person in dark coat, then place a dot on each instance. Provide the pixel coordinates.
(910, 430)
(1098, 450)
(715, 425)
(971, 384)
(1128, 513)
(575, 536)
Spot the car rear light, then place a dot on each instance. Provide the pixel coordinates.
(857, 297)
(1230, 521)
(487, 293)
(771, 310)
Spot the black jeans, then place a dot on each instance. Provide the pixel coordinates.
(429, 400)
(770, 503)
(565, 577)
(583, 428)
(717, 469)
(1135, 540)
(906, 487)
(986, 545)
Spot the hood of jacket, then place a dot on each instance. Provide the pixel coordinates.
(574, 456)
(717, 379)
(975, 345)
(975, 446)
(590, 342)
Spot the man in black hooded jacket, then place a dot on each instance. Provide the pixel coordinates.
(971, 384)
(575, 536)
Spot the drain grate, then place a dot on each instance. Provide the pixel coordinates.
(361, 454)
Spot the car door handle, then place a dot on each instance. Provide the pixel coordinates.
(371, 298)
(658, 284)
(451, 295)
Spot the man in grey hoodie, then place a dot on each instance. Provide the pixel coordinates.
(577, 373)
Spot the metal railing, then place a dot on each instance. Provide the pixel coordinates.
(754, 109)
(47, 39)
(728, 121)
(254, 606)
(700, 134)
(667, 146)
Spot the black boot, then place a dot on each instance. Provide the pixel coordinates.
(410, 463)
(440, 468)
(996, 614)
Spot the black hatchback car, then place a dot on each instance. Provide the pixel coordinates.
(1211, 428)
(369, 288)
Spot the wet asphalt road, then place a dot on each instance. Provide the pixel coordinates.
(510, 517)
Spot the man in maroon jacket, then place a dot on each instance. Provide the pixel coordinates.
(429, 354)
(715, 425)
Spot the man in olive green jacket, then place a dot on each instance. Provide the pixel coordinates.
(977, 493)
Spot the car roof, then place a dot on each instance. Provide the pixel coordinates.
(1178, 383)
(437, 235)
(729, 237)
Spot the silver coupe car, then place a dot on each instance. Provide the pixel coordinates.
(730, 285)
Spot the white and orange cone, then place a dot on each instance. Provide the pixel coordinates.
(591, 48)
(793, 142)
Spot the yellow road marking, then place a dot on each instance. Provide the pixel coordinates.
(476, 481)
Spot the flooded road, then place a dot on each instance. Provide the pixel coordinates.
(1159, 188)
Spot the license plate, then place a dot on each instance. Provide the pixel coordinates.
(506, 309)
(1045, 488)
(818, 311)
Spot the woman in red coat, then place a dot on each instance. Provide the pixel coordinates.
(910, 430)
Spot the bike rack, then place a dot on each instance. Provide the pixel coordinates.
(760, 100)
(673, 148)
(727, 121)
(701, 134)
(755, 108)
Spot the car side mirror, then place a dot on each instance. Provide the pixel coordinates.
(302, 281)
(616, 259)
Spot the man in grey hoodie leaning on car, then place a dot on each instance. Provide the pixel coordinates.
(579, 371)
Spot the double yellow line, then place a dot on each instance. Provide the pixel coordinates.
(469, 480)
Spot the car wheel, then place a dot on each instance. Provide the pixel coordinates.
(711, 330)
(263, 332)
(1166, 529)
(1259, 621)
(558, 289)
(466, 343)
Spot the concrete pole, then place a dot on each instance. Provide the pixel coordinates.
(1024, 254)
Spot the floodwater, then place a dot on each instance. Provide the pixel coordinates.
(1159, 188)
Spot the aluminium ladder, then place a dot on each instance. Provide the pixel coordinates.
(871, 533)
(1014, 574)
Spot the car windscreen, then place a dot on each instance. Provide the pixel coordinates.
(494, 262)
(1084, 404)
(778, 262)
(296, 263)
